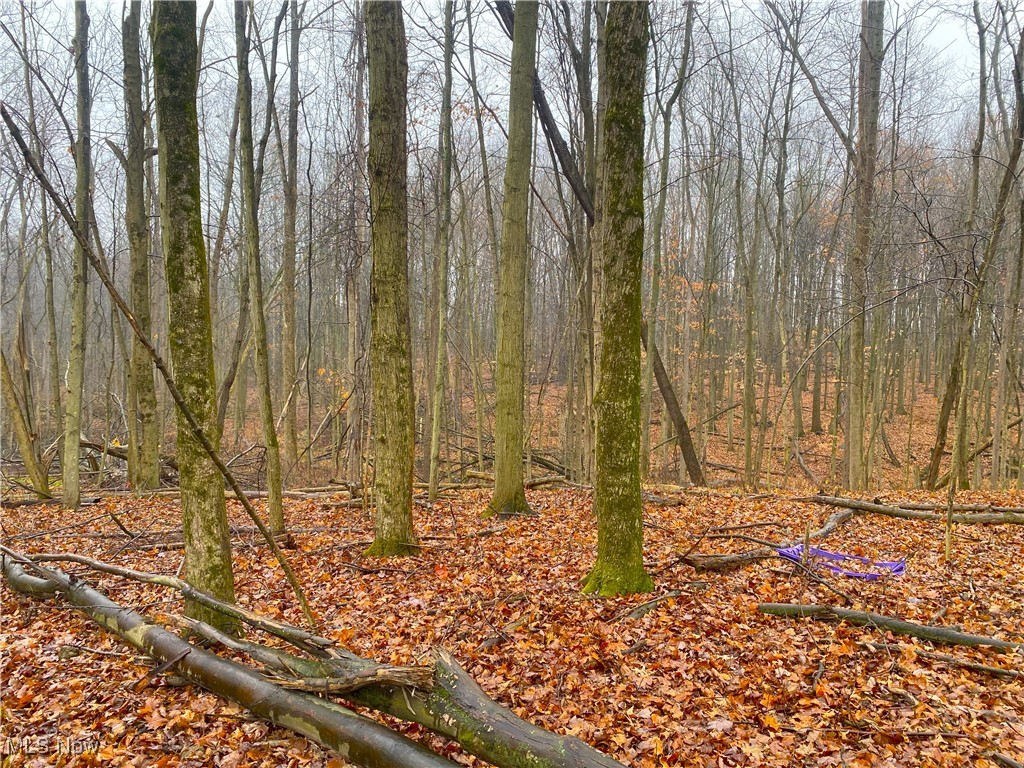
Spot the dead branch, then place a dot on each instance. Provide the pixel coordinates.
(899, 626)
(946, 658)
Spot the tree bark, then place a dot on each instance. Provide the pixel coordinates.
(143, 432)
(289, 369)
(390, 352)
(513, 256)
(450, 704)
(869, 94)
(83, 213)
(207, 552)
(22, 433)
(250, 215)
(978, 518)
(617, 503)
(668, 394)
(443, 247)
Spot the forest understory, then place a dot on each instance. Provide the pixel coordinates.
(699, 677)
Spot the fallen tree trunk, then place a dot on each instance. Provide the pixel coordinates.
(957, 507)
(942, 635)
(359, 739)
(972, 518)
(453, 706)
(668, 395)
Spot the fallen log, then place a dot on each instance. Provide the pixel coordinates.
(947, 659)
(363, 741)
(730, 562)
(942, 635)
(453, 706)
(300, 638)
(972, 518)
(957, 507)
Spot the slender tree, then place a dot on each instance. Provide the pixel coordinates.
(250, 216)
(617, 504)
(143, 432)
(207, 551)
(513, 255)
(289, 370)
(444, 245)
(390, 344)
(80, 285)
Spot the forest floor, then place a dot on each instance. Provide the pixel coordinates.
(700, 679)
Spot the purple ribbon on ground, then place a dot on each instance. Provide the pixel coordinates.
(795, 553)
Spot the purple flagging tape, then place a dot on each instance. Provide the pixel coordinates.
(795, 553)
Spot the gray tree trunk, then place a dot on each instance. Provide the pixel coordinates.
(143, 432)
(79, 291)
(513, 255)
(250, 215)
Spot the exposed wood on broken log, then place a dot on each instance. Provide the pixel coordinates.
(942, 635)
(455, 706)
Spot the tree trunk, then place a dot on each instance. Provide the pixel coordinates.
(207, 552)
(617, 504)
(22, 433)
(513, 256)
(250, 215)
(83, 213)
(444, 244)
(143, 432)
(871, 52)
(289, 370)
(668, 394)
(390, 351)
(454, 706)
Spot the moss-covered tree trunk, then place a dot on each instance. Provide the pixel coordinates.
(390, 350)
(509, 495)
(207, 552)
(250, 218)
(144, 431)
(83, 213)
(617, 504)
